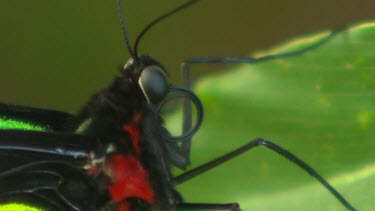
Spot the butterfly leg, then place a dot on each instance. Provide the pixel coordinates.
(279, 150)
(185, 67)
(187, 124)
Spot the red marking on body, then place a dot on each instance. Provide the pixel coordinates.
(129, 179)
(134, 131)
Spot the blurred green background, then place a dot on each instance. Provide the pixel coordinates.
(55, 54)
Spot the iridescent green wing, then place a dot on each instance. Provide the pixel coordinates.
(15, 117)
(18, 207)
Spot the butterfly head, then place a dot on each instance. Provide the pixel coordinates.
(148, 77)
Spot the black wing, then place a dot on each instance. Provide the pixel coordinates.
(46, 170)
(53, 120)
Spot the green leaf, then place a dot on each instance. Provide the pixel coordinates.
(319, 104)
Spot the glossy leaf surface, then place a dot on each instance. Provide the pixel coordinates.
(319, 104)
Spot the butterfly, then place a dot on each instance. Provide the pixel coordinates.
(115, 154)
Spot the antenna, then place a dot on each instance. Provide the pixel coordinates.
(123, 28)
(157, 20)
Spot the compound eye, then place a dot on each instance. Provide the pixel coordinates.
(154, 84)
